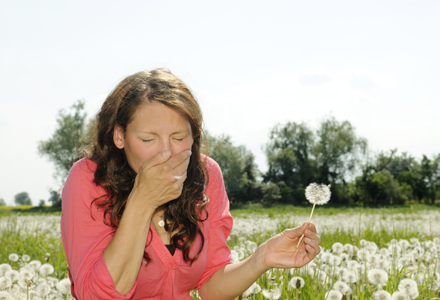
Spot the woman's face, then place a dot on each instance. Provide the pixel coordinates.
(155, 128)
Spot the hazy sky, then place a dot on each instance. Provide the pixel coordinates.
(251, 64)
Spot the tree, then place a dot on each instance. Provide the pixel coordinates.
(69, 136)
(55, 198)
(288, 153)
(2, 202)
(238, 167)
(22, 199)
(41, 203)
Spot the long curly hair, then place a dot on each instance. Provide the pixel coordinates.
(117, 177)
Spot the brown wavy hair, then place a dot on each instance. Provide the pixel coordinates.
(117, 177)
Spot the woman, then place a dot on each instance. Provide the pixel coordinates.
(146, 216)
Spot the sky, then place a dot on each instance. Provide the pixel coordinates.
(251, 65)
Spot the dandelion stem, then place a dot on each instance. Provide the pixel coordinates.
(310, 219)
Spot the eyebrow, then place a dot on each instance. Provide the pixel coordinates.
(175, 132)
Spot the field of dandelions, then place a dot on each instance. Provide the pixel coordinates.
(366, 254)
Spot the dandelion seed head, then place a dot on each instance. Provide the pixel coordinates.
(350, 277)
(5, 282)
(349, 248)
(5, 296)
(4, 268)
(64, 286)
(338, 247)
(408, 286)
(46, 269)
(399, 296)
(35, 264)
(25, 258)
(334, 260)
(318, 193)
(296, 282)
(333, 295)
(272, 293)
(377, 276)
(341, 286)
(251, 246)
(13, 257)
(43, 289)
(253, 289)
(13, 274)
(363, 243)
(381, 295)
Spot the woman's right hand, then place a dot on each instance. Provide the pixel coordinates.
(160, 180)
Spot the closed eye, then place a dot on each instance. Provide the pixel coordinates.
(146, 141)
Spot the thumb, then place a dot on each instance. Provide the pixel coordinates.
(295, 232)
(158, 159)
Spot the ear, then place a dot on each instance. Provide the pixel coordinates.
(118, 136)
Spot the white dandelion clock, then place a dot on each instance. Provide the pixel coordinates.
(381, 295)
(5, 296)
(272, 293)
(13, 257)
(253, 289)
(316, 194)
(46, 269)
(377, 276)
(4, 268)
(333, 295)
(64, 286)
(338, 248)
(399, 296)
(296, 283)
(25, 258)
(341, 286)
(409, 286)
(13, 274)
(43, 289)
(5, 283)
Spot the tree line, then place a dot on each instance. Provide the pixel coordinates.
(297, 155)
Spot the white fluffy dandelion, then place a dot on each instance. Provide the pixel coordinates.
(338, 248)
(36, 264)
(253, 289)
(13, 257)
(399, 296)
(350, 277)
(296, 283)
(409, 286)
(5, 296)
(272, 293)
(64, 286)
(316, 194)
(13, 274)
(25, 258)
(46, 269)
(43, 289)
(341, 286)
(5, 283)
(4, 268)
(333, 295)
(377, 276)
(381, 295)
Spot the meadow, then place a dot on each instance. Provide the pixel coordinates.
(367, 253)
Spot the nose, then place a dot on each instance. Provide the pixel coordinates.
(166, 145)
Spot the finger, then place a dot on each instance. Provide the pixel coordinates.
(311, 226)
(313, 244)
(180, 158)
(310, 234)
(182, 168)
(158, 159)
(295, 232)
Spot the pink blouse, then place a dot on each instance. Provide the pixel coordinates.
(165, 276)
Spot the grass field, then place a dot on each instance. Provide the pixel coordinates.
(365, 252)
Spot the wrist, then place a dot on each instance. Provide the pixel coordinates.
(259, 256)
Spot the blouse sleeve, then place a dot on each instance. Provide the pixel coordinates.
(219, 254)
(85, 237)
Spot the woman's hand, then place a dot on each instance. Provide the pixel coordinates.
(160, 179)
(280, 251)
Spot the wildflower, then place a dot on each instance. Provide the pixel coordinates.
(341, 286)
(316, 194)
(46, 269)
(5, 296)
(251, 246)
(64, 286)
(296, 283)
(36, 264)
(349, 248)
(363, 243)
(334, 260)
(13, 257)
(350, 277)
(333, 295)
(253, 289)
(43, 289)
(234, 256)
(4, 268)
(399, 296)
(272, 293)
(338, 248)
(377, 276)
(13, 274)
(25, 258)
(381, 295)
(409, 286)
(5, 282)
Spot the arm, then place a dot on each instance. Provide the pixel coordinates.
(277, 252)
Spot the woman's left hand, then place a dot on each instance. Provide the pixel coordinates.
(280, 251)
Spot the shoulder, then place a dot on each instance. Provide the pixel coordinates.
(81, 175)
(212, 166)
